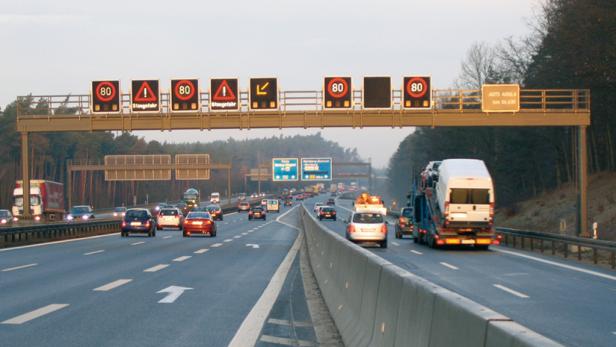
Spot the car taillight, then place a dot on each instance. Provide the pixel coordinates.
(147, 224)
(333, 212)
(351, 228)
(384, 228)
(249, 212)
(208, 222)
(123, 224)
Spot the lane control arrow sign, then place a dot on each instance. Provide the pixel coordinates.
(263, 94)
(262, 88)
(174, 293)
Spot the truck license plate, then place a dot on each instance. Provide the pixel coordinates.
(468, 242)
(135, 224)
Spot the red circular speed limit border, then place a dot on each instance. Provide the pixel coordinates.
(338, 95)
(423, 91)
(106, 98)
(187, 97)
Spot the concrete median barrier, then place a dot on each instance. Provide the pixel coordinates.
(375, 303)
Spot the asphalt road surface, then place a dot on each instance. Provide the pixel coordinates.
(140, 291)
(569, 302)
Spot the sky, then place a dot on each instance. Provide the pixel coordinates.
(58, 47)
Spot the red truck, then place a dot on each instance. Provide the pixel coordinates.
(46, 200)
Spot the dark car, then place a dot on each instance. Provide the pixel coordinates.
(327, 212)
(138, 220)
(215, 211)
(288, 202)
(257, 212)
(404, 223)
(6, 217)
(81, 212)
(199, 223)
(158, 207)
(331, 202)
(119, 211)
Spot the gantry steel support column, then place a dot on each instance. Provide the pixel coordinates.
(25, 175)
(229, 184)
(582, 182)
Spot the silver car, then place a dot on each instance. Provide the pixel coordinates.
(367, 227)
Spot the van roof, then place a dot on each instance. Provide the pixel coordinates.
(463, 168)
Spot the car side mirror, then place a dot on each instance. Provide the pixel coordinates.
(386, 223)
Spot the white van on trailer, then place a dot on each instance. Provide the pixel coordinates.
(465, 192)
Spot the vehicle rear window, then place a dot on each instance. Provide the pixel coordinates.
(469, 196)
(407, 212)
(136, 214)
(257, 209)
(4, 214)
(169, 212)
(367, 218)
(119, 209)
(327, 209)
(203, 215)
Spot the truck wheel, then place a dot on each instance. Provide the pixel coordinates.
(482, 247)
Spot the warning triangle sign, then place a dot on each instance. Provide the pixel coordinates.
(224, 92)
(145, 93)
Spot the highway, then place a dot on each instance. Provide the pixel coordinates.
(139, 291)
(569, 302)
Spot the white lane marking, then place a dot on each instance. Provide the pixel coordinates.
(216, 245)
(228, 240)
(614, 332)
(564, 266)
(167, 237)
(201, 251)
(174, 293)
(395, 243)
(137, 243)
(285, 223)
(286, 341)
(111, 285)
(416, 252)
(225, 223)
(449, 265)
(57, 242)
(253, 245)
(229, 214)
(249, 331)
(511, 291)
(236, 236)
(244, 234)
(19, 267)
(95, 252)
(182, 258)
(26, 317)
(288, 323)
(156, 268)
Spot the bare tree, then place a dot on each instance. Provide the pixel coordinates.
(478, 67)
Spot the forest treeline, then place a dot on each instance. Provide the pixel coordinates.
(572, 46)
(49, 154)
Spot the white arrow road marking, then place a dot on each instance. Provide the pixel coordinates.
(109, 286)
(26, 317)
(416, 252)
(182, 258)
(156, 268)
(511, 291)
(216, 245)
(174, 293)
(137, 243)
(201, 251)
(94, 252)
(449, 265)
(253, 245)
(19, 267)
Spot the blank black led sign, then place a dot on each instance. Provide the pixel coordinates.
(377, 93)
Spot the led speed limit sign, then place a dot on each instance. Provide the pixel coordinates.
(417, 93)
(337, 92)
(105, 97)
(184, 95)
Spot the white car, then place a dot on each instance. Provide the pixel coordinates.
(317, 206)
(169, 217)
(367, 227)
(272, 205)
(215, 198)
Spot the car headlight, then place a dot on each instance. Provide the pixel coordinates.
(3, 221)
(85, 217)
(115, 214)
(37, 218)
(15, 219)
(69, 217)
(157, 208)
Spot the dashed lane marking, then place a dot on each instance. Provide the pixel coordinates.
(236, 236)
(137, 243)
(216, 245)
(26, 317)
(228, 240)
(416, 252)
(19, 267)
(449, 266)
(94, 252)
(511, 291)
(156, 268)
(111, 285)
(182, 258)
(201, 251)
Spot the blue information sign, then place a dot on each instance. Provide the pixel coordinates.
(316, 169)
(285, 169)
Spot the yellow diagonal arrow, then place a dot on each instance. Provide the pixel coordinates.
(261, 89)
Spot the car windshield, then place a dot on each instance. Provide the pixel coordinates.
(257, 209)
(327, 209)
(34, 200)
(4, 213)
(119, 209)
(407, 212)
(213, 208)
(366, 218)
(169, 212)
(198, 215)
(79, 209)
(140, 214)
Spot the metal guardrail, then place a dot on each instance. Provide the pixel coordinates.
(48, 232)
(558, 243)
